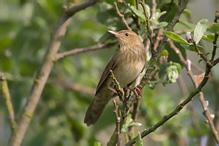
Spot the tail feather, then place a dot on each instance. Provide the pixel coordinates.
(95, 109)
(93, 115)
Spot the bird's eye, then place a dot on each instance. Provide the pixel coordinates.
(127, 34)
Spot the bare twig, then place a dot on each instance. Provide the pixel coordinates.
(153, 8)
(147, 21)
(44, 71)
(117, 86)
(82, 50)
(199, 52)
(117, 122)
(182, 86)
(215, 38)
(216, 61)
(122, 16)
(79, 88)
(7, 97)
(177, 109)
(201, 97)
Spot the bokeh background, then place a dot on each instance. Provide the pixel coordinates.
(25, 30)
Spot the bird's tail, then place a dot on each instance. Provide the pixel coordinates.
(95, 109)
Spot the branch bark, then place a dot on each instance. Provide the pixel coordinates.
(44, 71)
(7, 97)
(82, 50)
(177, 109)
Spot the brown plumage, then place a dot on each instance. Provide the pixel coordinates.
(126, 64)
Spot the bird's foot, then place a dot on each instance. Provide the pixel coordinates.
(112, 89)
(136, 88)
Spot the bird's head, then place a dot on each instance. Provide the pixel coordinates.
(127, 38)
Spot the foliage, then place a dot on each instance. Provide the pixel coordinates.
(26, 28)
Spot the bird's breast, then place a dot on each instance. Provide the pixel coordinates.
(128, 70)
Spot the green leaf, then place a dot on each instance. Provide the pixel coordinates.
(164, 53)
(138, 13)
(178, 66)
(127, 122)
(172, 73)
(175, 37)
(159, 25)
(192, 48)
(162, 70)
(134, 124)
(187, 11)
(5, 62)
(139, 140)
(4, 42)
(214, 28)
(200, 29)
(97, 143)
(209, 37)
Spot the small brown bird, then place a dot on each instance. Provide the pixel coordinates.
(126, 64)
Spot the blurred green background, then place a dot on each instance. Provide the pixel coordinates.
(25, 30)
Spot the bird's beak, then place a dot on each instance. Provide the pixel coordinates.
(113, 32)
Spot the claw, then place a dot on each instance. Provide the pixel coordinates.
(136, 88)
(112, 89)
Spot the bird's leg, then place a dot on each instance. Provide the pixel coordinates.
(136, 88)
(112, 89)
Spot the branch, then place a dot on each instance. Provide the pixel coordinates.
(44, 71)
(215, 38)
(201, 97)
(82, 50)
(160, 47)
(154, 6)
(122, 16)
(190, 40)
(177, 109)
(79, 88)
(7, 97)
(184, 90)
(117, 86)
(117, 122)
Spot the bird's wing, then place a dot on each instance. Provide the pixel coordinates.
(110, 66)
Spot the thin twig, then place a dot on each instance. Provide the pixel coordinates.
(177, 109)
(153, 7)
(44, 71)
(147, 21)
(201, 97)
(7, 97)
(182, 86)
(215, 38)
(122, 16)
(199, 52)
(82, 50)
(117, 122)
(117, 86)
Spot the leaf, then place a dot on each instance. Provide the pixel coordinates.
(134, 125)
(209, 37)
(5, 62)
(172, 73)
(200, 29)
(97, 143)
(138, 13)
(127, 122)
(192, 48)
(187, 11)
(175, 37)
(164, 53)
(159, 25)
(214, 28)
(139, 140)
(4, 42)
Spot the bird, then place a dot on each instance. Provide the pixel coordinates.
(126, 65)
